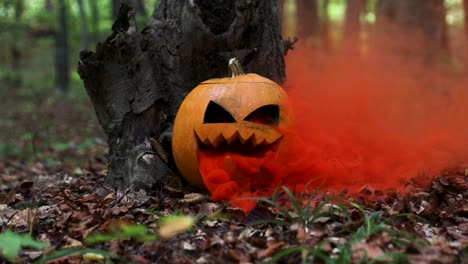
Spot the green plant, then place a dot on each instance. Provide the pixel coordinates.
(308, 254)
(356, 231)
(372, 224)
(123, 231)
(101, 254)
(303, 214)
(11, 244)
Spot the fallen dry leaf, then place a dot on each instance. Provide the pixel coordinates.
(92, 257)
(174, 225)
(361, 250)
(273, 247)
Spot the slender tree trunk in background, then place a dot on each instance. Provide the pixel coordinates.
(61, 49)
(115, 8)
(137, 80)
(48, 6)
(352, 27)
(308, 19)
(417, 27)
(94, 21)
(140, 8)
(84, 26)
(325, 26)
(289, 18)
(465, 7)
(15, 49)
(445, 41)
(49, 30)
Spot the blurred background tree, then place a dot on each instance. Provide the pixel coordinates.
(46, 111)
(30, 29)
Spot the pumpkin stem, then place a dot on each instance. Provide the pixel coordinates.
(235, 68)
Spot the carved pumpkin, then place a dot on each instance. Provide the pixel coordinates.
(240, 113)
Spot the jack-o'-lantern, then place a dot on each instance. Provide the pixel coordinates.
(240, 113)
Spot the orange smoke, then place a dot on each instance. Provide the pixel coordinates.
(377, 120)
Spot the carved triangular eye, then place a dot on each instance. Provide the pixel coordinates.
(217, 114)
(267, 115)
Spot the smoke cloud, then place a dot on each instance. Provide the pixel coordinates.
(380, 119)
(377, 118)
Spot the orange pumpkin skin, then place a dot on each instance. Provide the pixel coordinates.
(239, 96)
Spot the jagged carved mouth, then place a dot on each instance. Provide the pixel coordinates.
(245, 138)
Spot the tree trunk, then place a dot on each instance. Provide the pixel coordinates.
(137, 80)
(16, 49)
(84, 26)
(465, 7)
(308, 18)
(352, 27)
(115, 8)
(94, 21)
(61, 43)
(416, 27)
(48, 6)
(140, 8)
(325, 26)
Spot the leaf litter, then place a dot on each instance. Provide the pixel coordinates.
(64, 210)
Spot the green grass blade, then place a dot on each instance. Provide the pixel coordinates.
(294, 201)
(390, 258)
(283, 253)
(270, 202)
(316, 212)
(71, 251)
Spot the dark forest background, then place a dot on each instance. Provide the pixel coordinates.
(47, 118)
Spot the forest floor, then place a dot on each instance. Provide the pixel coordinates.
(51, 191)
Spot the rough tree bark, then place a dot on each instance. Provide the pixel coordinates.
(136, 80)
(281, 11)
(61, 48)
(307, 18)
(405, 21)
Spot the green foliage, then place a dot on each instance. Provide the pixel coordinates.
(305, 214)
(305, 252)
(336, 10)
(76, 251)
(11, 244)
(372, 224)
(168, 226)
(35, 118)
(302, 213)
(124, 231)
